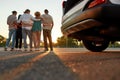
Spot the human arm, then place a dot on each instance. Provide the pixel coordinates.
(26, 23)
(36, 18)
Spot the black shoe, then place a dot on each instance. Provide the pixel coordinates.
(51, 49)
(12, 49)
(45, 50)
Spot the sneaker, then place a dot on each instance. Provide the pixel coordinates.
(20, 49)
(25, 49)
(5, 49)
(37, 49)
(45, 50)
(12, 49)
(16, 49)
(31, 49)
(51, 49)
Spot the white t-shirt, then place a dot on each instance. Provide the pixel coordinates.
(26, 19)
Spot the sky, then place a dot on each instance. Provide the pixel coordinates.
(54, 7)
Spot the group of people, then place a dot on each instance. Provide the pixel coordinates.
(27, 25)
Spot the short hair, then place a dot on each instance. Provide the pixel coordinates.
(46, 11)
(14, 12)
(27, 10)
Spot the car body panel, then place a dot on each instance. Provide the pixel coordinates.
(81, 20)
(95, 24)
(77, 17)
(115, 1)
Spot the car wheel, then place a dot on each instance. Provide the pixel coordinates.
(96, 46)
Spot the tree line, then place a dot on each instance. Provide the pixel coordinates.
(2, 41)
(62, 42)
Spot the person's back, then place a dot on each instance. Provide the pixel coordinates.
(12, 25)
(36, 30)
(47, 18)
(27, 22)
(47, 21)
(19, 35)
(47, 27)
(11, 21)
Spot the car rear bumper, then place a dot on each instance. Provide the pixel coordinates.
(91, 18)
(81, 21)
(81, 26)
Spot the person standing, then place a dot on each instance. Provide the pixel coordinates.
(47, 28)
(18, 45)
(12, 23)
(36, 30)
(27, 23)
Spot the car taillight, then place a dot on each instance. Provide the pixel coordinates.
(63, 4)
(96, 2)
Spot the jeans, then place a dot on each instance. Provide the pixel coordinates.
(12, 34)
(26, 32)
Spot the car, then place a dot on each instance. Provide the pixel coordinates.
(94, 22)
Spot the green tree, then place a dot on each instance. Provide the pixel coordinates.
(61, 41)
(67, 42)
(2, 40)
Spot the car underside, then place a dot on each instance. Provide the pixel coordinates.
(96, 27)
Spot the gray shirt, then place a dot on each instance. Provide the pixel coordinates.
(11, 21)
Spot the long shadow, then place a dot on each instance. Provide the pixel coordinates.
(50, 67)
(15, 59)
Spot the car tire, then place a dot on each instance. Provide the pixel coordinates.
(96, 47)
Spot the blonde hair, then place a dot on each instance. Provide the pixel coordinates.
(37, 14)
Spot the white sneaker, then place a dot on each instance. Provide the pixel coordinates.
(16, 49)
(37, 49)
(25, 49)
(31, 49)
(20, 49)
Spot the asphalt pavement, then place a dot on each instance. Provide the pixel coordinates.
(60, 64)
